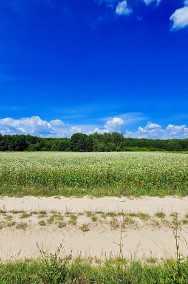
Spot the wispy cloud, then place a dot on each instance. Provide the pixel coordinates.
(148, 2)
(179, 18)
(123, 9)
(120, 7)
(133, 117)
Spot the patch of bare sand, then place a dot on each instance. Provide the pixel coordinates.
(148, 205)
(100, 240)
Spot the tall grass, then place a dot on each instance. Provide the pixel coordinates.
(63, 271)
(97, 174)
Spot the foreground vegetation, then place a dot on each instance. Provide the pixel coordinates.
(80, 142)
(95, 174)
(54, 270)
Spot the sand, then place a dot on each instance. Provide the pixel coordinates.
(144, 204)
(101, 240)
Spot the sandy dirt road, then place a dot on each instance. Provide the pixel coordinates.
(95, 228)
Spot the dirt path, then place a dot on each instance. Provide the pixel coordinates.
(92, 227)
(145, 204)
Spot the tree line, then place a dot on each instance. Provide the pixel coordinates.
(96, 142)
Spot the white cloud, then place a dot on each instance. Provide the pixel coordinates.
(151, 129)
(151, 125)
(154, 131)
(147, 2)
(33, 125)
(179, 18)
(98, 130)
(114, 124)
(56, 122)
(57, 128)
(122, 8)
(75, 129)
(177, 130)
(117, 123)
(36, 126)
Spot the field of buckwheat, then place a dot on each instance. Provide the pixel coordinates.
(94, 174)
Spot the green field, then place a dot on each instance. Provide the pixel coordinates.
(94, 174)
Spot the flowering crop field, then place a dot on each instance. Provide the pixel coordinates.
(94, 174)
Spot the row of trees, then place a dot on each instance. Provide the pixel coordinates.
(80, 142)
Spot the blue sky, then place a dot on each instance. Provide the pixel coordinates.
(71, 66)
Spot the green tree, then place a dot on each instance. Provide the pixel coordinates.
(81, 143)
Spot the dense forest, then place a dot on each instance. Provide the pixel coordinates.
(80, 142)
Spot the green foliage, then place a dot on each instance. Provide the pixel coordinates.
(80, 142)
(52, 269)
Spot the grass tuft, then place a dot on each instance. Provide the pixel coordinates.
(85, 228)
(21, 226)
(160, 214)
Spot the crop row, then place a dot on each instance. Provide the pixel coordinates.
(48, 173)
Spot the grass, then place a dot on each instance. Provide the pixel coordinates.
(185, 221)
(42, 223)
(25, 215)
(8, 217)
(133, 214)
(94, 174)
(62, 225)
(21, 226)
(17, 212)
(54, 270)
(44, 212)
(128, 221)
(85, 227)
(94, 218)
(114, 223)
(111, 214)
(174, 215)
(11, 224)
(155, 223)
(51, 220)
(143, 216)
(160, 215)
(91, 215)
(151, 260)
(73, 219)
(112, 219)
(2, 211)
(3, 225)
